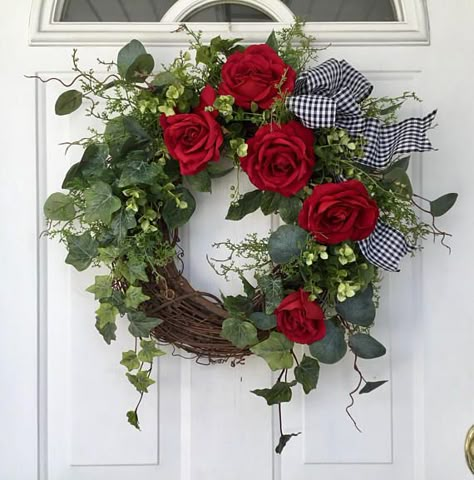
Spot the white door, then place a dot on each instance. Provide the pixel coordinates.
(63, 393)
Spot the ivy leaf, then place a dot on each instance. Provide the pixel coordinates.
(289, 209)
(365, 346)
(59, 206)
(201, 182)
(133, 127)
(139, 172)
(102, 288)
(307, 373)
(105, 314)
(141, 325)
(149, 351)
(332, 347)
(442, 204)
(249, 289)
(133, 269)
(68, 102)
(272, 41)
(279, 393)
(122, 222)
(141, 381)
(100, 203)
(284, 439)
(237, 305)
(130, 360)
(286, 243)
(370, 386)
(132, 419)
(263, 321)
(240, 333)
(94, 159)
(276, 351)
(134, 296)
(107, 331)
(247, 204)
(270, 202)
(173, 215)
(82, 250)
(272, 289)
(359, 309)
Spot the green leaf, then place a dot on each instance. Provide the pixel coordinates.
(238, 305)
(307, 373)
(399, 182)
(163, 79)
(286, 243)
(132, 419)
(270, 202)
(279, 393)
(240, 333)
(247, 204)
(276, 351)
(359, 309)
(102, 288)
(442, 204)
(140, 69)
(94, 160)
(133, 269)
(370, 386)
(176, 217)
(133, 127)
(332, 347)
(139, 172)
(219, 169)
(249, 289)
(141, 381)
(130, 360)
(141, 325)
(68, 102)
(263, 321)
(402, 164)
(272, 41)
(107, 331)
(391, 109)
(132, 59)
(122, 222)
(134, 296)
(149, 351)
(365, 346)
(272, 289)
(284, 439)
(82, 250)
(289, 209)
(59, 206)
(201, 182)
(100, 203)
(105, 314)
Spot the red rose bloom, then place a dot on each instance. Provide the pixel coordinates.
(280, 158)
(299, 319)
(252, 76)
(336, 212)
(193, 139)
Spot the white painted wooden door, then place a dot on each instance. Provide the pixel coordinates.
(63, 392)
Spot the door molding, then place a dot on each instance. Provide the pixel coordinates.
(45, 28)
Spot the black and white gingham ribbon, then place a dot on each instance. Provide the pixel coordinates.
(329, 95)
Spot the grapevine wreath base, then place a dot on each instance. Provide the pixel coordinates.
(319, 151)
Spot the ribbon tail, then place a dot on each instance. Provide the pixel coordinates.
(385, 247)
(314, 111)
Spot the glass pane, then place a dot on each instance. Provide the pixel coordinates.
(153, 11)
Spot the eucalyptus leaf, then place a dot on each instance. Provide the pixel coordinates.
(141, 68)
(240, 333)
(332, 347)
(286, 243)
(442, 204)
(68, 102)
(365, 346)
(359, 309)
(59, 207)
(275, 350)
(127, 55)
(245, 205)
(289, 209)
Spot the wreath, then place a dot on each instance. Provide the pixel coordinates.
(323, 155)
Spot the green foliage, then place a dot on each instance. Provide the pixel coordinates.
(286, 243)
(284, 439)
(134, 296)
(443, 204)
(141, 381)
(263, 321)
(279, 393)
(240, 333)
(272, 289)
(133, 63)
(141, 325)
(68, 102)
(176, 213)
(246, 204)
(82, 250)
(149, 351)
(276, 351)
(102, 287)
(132, 418)
(59, 207)
(130, 360)
(370, 386)
(307, 373)
(360, 309)
(331, 348)
(365, 346)
(100, 203)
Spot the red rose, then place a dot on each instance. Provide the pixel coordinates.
(193, 139)
(339, 211)
(280, 158)
(299, 319)
(252, 76)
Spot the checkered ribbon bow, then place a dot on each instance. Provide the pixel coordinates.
(329, 95)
